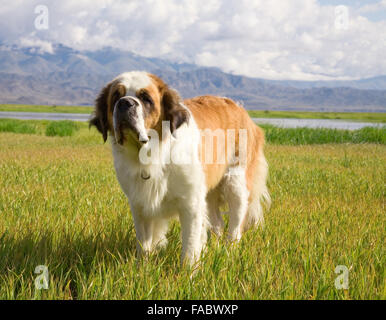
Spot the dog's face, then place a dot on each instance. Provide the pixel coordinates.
(133, 103)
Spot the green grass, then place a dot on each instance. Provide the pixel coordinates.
(353, 116)
(301, 136)
(49, 128)
(17, 126)
(61, 206)
(61, 128)
(48, 109)
(356, 116)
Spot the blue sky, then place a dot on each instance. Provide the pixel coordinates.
(353, 3)
(377, 15)
(276, 39)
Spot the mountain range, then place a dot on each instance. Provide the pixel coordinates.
(71, 77)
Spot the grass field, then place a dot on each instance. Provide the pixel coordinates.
(352, 116)
(356, 116)
(61, 206)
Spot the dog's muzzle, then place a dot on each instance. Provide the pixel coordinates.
(127, 120)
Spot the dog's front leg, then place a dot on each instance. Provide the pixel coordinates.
(192, 226)
(144, 232)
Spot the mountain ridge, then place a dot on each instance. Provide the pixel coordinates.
(71, 77)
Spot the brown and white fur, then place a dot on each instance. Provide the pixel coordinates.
(136, 102)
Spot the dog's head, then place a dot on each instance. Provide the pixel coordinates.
(133, 103)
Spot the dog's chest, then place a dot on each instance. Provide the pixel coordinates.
(149, 195)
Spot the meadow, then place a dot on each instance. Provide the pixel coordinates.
(45, 108)
(61, 206)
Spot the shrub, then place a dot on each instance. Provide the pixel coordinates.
(301, 136)
(16, 126)
(61, 128)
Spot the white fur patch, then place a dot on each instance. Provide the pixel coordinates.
(134, 81)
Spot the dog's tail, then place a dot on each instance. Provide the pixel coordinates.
(259, 194)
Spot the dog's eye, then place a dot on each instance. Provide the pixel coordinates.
(146, 99)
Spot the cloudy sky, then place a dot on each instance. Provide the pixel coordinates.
(275, 39)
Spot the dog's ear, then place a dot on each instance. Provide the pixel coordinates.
(99, 119)
(173, 111)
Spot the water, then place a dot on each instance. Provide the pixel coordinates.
(316, 123)
(286, 123)
(45, 116)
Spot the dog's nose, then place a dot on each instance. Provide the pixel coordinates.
(126, 103)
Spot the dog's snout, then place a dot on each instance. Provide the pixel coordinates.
(126, 103)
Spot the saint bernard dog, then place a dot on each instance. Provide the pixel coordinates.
(167, 169)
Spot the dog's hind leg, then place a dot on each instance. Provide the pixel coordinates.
(236, 193)
(215, 219)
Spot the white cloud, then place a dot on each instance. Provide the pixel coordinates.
(381, 5)
(277, 39)
(42, 46)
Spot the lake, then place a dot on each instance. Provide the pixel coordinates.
(316, 123)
